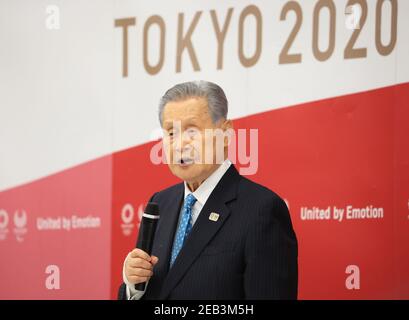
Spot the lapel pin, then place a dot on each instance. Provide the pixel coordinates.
(214, 216)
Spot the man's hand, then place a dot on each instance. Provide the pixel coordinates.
(139, 266)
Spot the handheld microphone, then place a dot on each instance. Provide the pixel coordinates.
(146, 234)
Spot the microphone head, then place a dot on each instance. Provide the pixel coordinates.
(152, 208)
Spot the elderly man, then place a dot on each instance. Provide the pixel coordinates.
(220, 235)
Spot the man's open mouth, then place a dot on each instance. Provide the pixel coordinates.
(185, 161)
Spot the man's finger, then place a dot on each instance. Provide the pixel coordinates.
(137, 279)
(154, 260)
(138, 253)
(139, 263)
(140, 272)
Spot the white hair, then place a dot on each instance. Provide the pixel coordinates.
(214, 94)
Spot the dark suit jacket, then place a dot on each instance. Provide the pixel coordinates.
(250, 252)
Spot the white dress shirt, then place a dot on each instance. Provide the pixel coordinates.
(202, 193)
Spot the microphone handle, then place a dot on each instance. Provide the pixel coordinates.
(140, 286)
(145, 241)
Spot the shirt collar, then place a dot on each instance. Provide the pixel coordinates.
(203, 192)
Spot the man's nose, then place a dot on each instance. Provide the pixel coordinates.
(183, 143)
(184, 148)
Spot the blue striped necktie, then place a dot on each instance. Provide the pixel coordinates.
(185, 225)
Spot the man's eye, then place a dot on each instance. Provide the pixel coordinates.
(192, 132)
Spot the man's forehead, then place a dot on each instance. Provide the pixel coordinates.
(185, 110)
(176, 121)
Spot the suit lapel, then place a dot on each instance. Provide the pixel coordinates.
(203, 230)
(167, 225)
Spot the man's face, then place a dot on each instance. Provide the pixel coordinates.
(189, 141)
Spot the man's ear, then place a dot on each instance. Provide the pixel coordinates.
(227, 126)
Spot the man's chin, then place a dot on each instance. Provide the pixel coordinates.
(185, 172)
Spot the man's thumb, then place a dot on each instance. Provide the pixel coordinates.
(154, 260)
